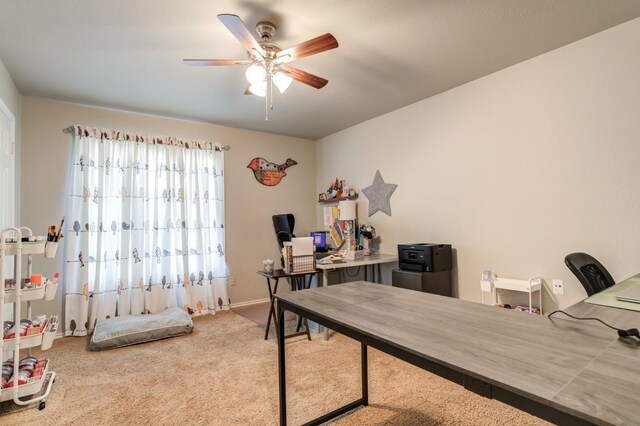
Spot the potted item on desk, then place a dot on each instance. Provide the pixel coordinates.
(267, 266)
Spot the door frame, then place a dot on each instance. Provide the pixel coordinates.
(11, 119)
(7, 115)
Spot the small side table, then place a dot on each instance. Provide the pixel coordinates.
(526, 286)
(298, 282)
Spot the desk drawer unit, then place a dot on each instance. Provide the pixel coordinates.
(426, 282)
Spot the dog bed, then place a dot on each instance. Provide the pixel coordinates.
(133, 329)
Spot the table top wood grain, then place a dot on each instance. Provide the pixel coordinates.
(583, 369)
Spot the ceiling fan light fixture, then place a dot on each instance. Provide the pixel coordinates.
(266, 59)
(259, 89)
(282, 81)
(256, 75)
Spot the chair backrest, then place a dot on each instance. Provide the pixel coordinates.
(283, 225)
(592, 275)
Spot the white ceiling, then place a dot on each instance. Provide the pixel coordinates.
(127, 54)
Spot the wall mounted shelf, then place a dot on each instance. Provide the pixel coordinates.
(335, 200)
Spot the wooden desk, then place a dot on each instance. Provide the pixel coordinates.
(567, 372)
(375, 260)
(617, 317)
(275, 276)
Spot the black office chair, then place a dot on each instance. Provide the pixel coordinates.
(283, 225)
(593, 276)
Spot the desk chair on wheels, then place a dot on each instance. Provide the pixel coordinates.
(592, 275)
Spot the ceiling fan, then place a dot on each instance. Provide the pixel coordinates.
(267, 62)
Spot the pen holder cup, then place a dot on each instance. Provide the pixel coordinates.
(267, 266)
(50, 249)
(47, 340)
(50, 290)
(355, 255)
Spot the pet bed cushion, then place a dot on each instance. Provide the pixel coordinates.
(132, 329)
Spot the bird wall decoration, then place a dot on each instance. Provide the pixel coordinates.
(268, 173)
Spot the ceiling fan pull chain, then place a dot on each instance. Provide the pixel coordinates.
(271, 91)
(266, 108)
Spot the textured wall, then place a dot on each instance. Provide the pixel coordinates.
(516, 169)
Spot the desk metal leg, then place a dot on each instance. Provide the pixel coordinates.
(364, 401)
(325, 282)
(272, 312)
(301, 284)
(365, 374)
(282, 380)
(295, 286)
(306, 322)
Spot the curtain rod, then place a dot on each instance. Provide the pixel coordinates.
(72, 129)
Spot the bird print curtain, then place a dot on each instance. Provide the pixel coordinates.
(145, 228)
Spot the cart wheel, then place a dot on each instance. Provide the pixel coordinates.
(42, 405)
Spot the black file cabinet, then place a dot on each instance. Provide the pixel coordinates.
(427, 282)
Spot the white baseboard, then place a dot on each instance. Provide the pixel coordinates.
(250, 302)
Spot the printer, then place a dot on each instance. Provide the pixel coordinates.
(424, 257)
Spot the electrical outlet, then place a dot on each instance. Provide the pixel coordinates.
(232, 281)
(558, 287)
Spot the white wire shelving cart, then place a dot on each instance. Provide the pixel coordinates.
(12, 294)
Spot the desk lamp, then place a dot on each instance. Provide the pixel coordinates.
(348, 215)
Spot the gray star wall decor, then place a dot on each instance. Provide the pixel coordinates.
(379, 195)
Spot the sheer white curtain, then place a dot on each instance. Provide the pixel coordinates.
(144, 228)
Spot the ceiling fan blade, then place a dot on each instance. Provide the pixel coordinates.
(305, 77)
(214, 62)
(241, 32)
(247, 91)
(307, 48)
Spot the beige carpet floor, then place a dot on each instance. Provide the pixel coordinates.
(256, 312)
(259, 313)
(225, 373)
